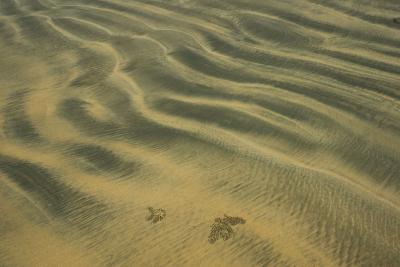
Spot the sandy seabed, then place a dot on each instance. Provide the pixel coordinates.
(128, 126)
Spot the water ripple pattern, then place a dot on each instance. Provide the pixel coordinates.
(285, 113)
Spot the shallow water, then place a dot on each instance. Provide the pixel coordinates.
(285, 114)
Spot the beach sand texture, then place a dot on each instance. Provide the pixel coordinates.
(128, 126)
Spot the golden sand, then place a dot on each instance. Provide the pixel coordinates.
(199, 133)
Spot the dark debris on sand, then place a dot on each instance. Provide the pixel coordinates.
(156, 215)
(222, 228)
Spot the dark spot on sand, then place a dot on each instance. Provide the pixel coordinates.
(156, 215)
(222, 228)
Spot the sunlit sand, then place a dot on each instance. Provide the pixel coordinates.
(199, 133)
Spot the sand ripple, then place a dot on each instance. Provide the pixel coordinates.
(285, 113)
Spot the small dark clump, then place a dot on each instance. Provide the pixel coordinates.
(233, 220)
(222, 228)
(156, 215)
(396, 20)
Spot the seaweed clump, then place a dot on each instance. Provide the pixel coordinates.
(222, 228)
(156, 215)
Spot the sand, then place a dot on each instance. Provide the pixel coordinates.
(284, 114)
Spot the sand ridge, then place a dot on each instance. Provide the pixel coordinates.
(283, 113)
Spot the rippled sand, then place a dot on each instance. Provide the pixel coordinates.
(283, 113)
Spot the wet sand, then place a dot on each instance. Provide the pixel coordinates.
(129, 128)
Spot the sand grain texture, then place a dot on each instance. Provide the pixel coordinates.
(283, 113)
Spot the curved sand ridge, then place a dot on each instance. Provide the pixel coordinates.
(285, 113)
